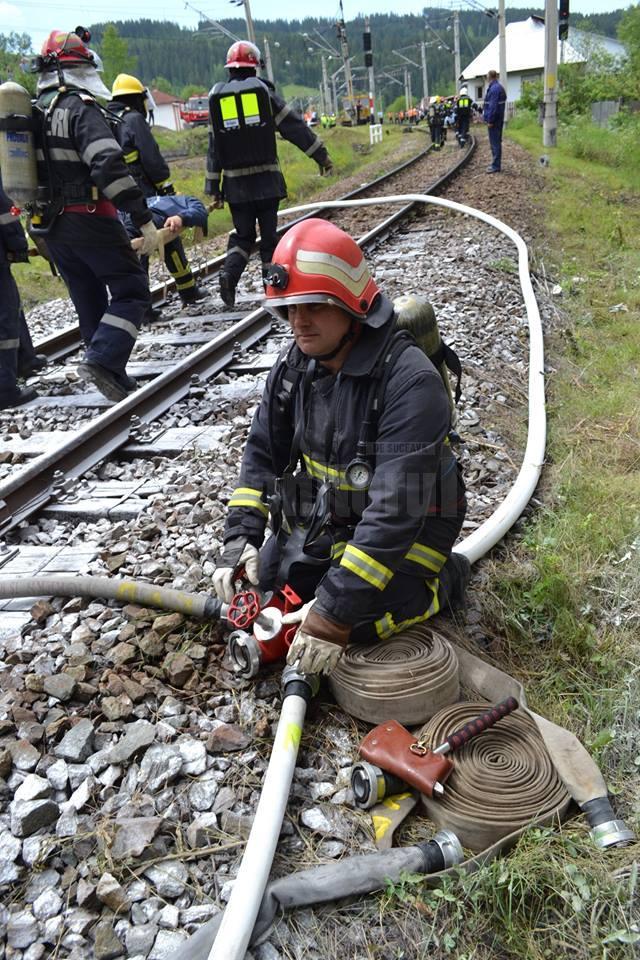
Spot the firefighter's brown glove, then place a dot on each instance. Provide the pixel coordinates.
(150, 239)
(319, 643)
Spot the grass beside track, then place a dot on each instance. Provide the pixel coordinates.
(563, 597)
(349, 149)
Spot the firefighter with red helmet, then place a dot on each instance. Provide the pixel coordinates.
(150, 170)
(85, 182)
(245, 114)
(349, 454)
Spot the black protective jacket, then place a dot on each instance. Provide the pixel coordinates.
(262, 181)
(13, 243)
(141, 152)
(82, 162)
(409, 517)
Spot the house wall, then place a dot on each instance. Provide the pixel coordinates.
(478, 85)
(168, 115)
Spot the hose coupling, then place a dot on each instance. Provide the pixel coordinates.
(370, 785)
(244, 652)
(606, 829)
(301, 684)
(444, 850)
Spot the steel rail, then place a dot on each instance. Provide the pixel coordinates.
(29, 489)
(32, 487)
(66, 341)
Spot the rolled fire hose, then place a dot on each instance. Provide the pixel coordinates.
(124, 591)
(409, 677)
(501, 780)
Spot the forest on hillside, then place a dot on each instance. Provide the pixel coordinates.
(173, 57)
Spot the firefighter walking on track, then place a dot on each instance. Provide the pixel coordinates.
(149, 169)
(82, 170)
(245, 113)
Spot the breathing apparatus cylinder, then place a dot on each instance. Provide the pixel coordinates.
(17, 151)
(416, 315)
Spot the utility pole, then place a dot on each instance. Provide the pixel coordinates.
(267, 58)
(456, 45)
(406, 88)
(502, 41)
(368, 62)
(425, 80)
(346, 62)
(326, 96)
(549, 124)
(251, 34)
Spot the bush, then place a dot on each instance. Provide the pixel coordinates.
(615, 147)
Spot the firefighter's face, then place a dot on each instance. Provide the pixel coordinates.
(317, 328)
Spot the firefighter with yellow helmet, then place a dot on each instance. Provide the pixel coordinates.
(349, 453)
(245, 114)
(130, 107)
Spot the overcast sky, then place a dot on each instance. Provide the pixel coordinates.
(38, 18)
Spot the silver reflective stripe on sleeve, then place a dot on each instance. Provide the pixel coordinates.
(286, 110)
(248, 171)
(238, 250)
(104, 145)
(61, 153)
(314, 146)
(9, 344)
(121, 324)
(7, 218)
(119, 186)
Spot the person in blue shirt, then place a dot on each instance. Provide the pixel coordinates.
(493, 115)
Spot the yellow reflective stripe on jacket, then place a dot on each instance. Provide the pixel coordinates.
(386, 626)
(338, 549)
(229, 111)
(247, 497)
(360, 563)
(426, 556)
(132, 157)
(250, 108)
(322, 471)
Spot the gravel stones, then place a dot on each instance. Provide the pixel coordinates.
(226, 737)
(77, 744)
(111, 893)
(133, 836)
(27, 816)
(168, 878)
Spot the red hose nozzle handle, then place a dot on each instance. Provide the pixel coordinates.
(478, 725)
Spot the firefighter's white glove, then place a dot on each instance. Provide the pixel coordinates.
(150, 239)
(236, 554)
(318, 644)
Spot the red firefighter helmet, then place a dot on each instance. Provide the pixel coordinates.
(67, 48)
(316, 262)
(243, 54)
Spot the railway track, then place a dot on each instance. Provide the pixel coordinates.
(25, 491)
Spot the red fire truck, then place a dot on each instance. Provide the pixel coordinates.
(196, 111)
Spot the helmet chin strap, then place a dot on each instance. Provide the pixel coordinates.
(348, 336)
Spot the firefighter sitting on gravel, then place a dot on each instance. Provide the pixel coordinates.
(150, 170)
(245, 113)
(82, 171)
(349, 451)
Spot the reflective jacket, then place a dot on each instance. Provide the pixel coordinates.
(142, 154)
(81, 161)
(255, 173)
(494, 101)
(410, 515)
(12, 238)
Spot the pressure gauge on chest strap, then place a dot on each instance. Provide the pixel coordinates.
(359, 473)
